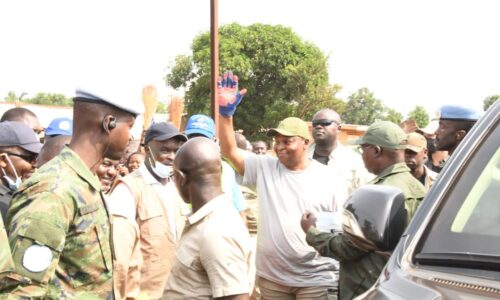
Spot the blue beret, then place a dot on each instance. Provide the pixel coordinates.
(122, 99)
(454, 112)
(60, 126)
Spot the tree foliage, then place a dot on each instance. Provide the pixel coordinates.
(41, 98)
(284, 75)
(488, 101)
(363, 108)
(419, 115)
(393, 115)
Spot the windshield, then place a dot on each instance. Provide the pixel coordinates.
(465, 231)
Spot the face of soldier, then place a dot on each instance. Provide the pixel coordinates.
(119, 137)
(290, 150)
(446, 136)
(415, 160)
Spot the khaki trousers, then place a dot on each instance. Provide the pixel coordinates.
(273, 291)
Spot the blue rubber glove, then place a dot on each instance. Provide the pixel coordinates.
(228, 94)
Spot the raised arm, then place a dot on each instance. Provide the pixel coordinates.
(229, 97)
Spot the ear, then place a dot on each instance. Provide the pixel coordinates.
(3, 161)
(460, 134)
(108, 123)
(377, 151)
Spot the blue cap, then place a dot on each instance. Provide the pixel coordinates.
(60, 126)
(120, 98)
(454, 112)
(200, 124)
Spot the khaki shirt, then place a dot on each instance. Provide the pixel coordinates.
(59, 233)
(214, 255)
(430, 177)
(398, 175)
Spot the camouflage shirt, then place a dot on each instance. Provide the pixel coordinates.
(398, 175)
(6, 264)
(359, 269)
(59, 233)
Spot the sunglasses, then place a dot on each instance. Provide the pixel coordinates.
(30, 158)
(324, 122)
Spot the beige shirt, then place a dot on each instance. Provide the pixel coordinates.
(214, 255)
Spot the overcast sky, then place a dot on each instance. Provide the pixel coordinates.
(427, 52)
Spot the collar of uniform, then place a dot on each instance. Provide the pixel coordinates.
(208, 208)
(147, 176)
(395, 168)
(76, 163)
(431, 174)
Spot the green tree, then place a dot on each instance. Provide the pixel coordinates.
(161, 108)
(50, 99)
(419, 115)
(284, 75)
(11, 97)
(393, 115)
(488, 101)
(363, 108)
(181, 72)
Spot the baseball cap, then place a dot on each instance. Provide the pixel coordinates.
(60, 126)
(384, 134)
(13, 133)
(416, 142)
(120, 98)
(200, 124)
(162, 131)
(291, 126)
(455, 112)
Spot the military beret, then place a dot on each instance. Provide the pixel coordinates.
(122, 99)
(455, 112)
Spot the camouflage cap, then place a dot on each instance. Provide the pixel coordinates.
(291, 127)
(384, 134)
(416, 142)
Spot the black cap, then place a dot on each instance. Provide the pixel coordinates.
(13, 133)
(163, 131)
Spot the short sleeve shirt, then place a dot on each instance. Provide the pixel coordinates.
(214, 255)
(283, 255)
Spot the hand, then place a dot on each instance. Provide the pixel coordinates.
(228, 95)
(308, 220)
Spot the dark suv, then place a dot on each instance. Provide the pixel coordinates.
(451, 249)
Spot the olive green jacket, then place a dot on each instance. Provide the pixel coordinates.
(358, 269)
(398, 175)
(59, 233)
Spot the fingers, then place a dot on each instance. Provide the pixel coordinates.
(243, 92)
(224, 80)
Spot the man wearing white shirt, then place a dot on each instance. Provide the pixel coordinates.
(328, 150)
(148, 217)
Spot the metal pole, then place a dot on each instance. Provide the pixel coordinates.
(214, 62)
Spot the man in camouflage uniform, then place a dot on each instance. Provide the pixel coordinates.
(6, 264)
(58, 224)
(383, 146)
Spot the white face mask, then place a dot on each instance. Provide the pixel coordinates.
(161, 170)
(13, 185)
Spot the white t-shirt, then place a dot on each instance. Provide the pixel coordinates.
(283, 255)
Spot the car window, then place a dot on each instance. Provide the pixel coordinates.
(465, 230)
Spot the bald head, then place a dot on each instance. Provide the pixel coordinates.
(23, 115)
(198, 171)
(199, 157)
(327, 113)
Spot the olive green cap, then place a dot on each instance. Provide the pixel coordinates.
(291, 127)
(384, 134)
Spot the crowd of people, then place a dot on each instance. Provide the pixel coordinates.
(189, 215)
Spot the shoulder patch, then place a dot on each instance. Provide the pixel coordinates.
(37, 258)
